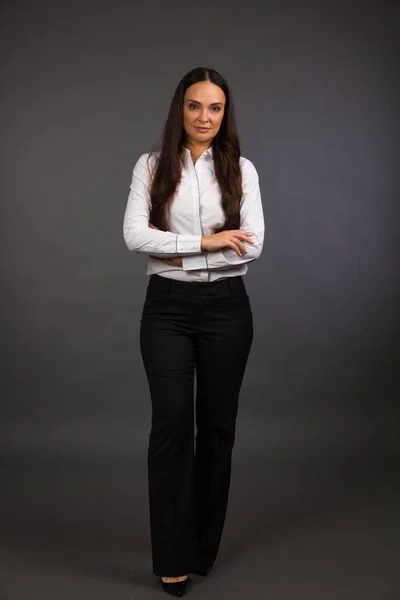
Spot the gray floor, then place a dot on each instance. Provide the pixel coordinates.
(77, 529)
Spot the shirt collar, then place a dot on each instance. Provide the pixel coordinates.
(208, 152)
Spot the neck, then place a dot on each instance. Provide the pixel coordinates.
(197, 150)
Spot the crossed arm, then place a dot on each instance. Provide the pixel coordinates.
(144, 238)
(174, 261)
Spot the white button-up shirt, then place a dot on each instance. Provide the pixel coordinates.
(195, 209)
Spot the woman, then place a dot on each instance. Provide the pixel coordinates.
(195, 210)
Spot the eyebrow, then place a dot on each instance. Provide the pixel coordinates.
(197, 102)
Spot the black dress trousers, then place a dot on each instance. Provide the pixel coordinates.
(190, 328)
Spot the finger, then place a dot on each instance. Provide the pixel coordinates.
(242, 247)
(235, 247)
(243, 238)
(242, 231)
(247, 239)
(245, 235)
(158, 258)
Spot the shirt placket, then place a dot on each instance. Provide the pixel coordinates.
(196, 208)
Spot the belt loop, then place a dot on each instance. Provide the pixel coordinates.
(230, 284)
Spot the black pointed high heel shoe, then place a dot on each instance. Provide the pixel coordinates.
(175, 588)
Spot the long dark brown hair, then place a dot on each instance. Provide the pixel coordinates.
(169, 162)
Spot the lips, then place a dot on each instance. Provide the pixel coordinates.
(203, 128)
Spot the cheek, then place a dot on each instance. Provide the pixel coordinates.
(189, 118)
(218, 119)
(186, 119)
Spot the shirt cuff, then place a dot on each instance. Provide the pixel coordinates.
(186, 243)
(196, 261)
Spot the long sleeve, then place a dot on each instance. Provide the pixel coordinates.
(137, 233)
(251, 219)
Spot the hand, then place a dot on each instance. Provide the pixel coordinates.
(231, 238)
(175, 261)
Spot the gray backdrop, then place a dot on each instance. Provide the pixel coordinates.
(86, 90)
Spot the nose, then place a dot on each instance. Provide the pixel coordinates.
(203, 117)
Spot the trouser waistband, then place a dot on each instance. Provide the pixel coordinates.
(171, 286)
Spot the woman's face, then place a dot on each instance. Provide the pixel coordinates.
(203, 110)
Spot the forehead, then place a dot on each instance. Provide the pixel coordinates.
(205, 92)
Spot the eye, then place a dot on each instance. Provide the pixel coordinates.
(194, 106)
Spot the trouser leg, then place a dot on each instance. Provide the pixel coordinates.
(169, 361)
(223, 348)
